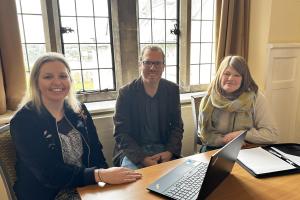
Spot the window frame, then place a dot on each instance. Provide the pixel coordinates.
(126, 56)
(165, 43)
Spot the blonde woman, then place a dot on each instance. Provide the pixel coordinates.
(56, 141)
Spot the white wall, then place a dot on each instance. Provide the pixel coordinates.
(104, 125)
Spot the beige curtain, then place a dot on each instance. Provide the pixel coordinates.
(232, 28)
(12, 74)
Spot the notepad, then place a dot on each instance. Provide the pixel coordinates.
(261, 161)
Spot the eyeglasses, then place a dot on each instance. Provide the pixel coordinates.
(148, 63)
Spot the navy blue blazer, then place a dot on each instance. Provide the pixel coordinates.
(41, 171)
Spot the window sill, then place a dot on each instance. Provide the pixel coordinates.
(102, 107)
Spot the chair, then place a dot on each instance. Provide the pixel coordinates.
(7, 161)
(195, 102)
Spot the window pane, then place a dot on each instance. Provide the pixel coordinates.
(213, 54)
(70, 22)
(170, 26)
(34, 51)
(171, 9)
(72, 55)
(104, 56)
(195, 32)
(21, 28)
(206, 50)
(171, 73)
(88, 56)
(144, 9)
(194, 75)
(205, 74)
(89, 48)
(34, 24)
(161, 45)
(171, 54)
(84, 8)
(145, 31)
(206, 31)
(31, 6)
(102, 30)
(67, 7)
(196, 9)
(27, 69)
(158, 31)
(18, 6)
(195, 53)
(91, 79)
(86, 30)
(207, 9)
(106, 79)
(164, 74)
(213, 71)
(31, 31)
(77, 80)
(202, 57)
(158, 11)
(100, 7)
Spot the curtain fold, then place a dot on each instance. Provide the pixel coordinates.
(2, 90)
(12, 75)
(232, 28)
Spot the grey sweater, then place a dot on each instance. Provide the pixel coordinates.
(263, 131)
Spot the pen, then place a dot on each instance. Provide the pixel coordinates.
(283, 158)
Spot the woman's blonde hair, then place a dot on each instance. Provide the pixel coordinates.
(34, 94)
(241, 66)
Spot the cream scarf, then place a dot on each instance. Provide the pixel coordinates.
(241, 106)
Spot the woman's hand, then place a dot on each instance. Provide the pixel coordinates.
(118, 175)
(230, 136)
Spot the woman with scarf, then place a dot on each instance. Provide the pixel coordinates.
(232, 105)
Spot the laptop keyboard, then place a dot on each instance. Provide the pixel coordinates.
(189, 184)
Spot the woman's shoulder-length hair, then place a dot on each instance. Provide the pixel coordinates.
(241, 66)
(33, 95)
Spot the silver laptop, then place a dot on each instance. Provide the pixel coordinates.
(196, 180)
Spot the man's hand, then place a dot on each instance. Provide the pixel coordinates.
(157, 158)
(150, 160)
(164, 156)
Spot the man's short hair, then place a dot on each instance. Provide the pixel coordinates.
(152, 48)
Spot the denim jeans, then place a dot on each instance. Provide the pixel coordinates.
(149, 150)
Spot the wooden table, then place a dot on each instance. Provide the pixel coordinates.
(238, 185)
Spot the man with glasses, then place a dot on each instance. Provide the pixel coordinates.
(148, 125)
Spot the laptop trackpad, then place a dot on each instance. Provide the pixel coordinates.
(167, 180)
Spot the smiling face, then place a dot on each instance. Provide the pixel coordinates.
(152, 66)
(231, 80)
(54, 82)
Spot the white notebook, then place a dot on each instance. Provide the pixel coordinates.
(260, 161)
